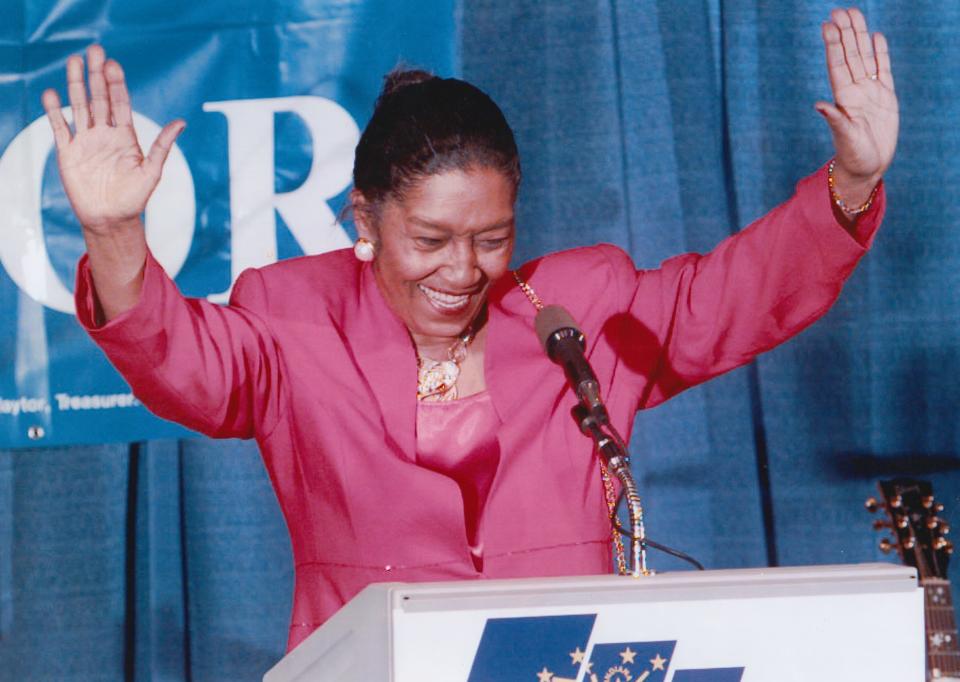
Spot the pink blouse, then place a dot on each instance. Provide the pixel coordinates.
(458, 439)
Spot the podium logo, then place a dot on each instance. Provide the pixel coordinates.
(554, 649)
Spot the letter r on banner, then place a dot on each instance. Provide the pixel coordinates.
(253, 199)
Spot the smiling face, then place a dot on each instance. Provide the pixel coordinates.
(439, 248)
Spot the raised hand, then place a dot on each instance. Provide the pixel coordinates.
(105, 174)
(864, 118)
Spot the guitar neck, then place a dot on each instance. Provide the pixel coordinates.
(919, 538)
(943, 648)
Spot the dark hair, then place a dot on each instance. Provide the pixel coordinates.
(423, 125)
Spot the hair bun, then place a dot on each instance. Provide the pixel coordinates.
(401, 77)
(423, 125)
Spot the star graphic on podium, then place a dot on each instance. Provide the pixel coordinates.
(627, 655)
(658, 662)
(577, 656)
(545, 675)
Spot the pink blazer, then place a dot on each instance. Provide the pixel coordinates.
(309, 360)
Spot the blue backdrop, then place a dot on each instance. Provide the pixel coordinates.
(659, 126)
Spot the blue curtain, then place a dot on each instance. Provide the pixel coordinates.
(659, 126)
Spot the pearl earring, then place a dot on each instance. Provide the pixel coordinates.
(363, 249)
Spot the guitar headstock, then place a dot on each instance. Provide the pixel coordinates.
(919, 532)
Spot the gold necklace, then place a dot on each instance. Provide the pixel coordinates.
(437, 379)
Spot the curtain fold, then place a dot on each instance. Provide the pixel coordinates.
(159, 620)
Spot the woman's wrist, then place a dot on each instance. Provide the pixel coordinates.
(852, 194)
(117, 256)
(110, 230)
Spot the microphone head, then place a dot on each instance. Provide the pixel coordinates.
(551, 320)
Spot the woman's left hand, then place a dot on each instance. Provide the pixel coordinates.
(864, 117)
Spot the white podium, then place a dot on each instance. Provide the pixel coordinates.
(854, 623)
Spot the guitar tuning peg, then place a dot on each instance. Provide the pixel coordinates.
(886, 546)
(938, 507)
(902, 522)
(940, 543)
(948, 547)
(933, 522)
(910, 543)
(896, 501)
(944, 528)
(927, 501)
(871, 505)
(880, 524)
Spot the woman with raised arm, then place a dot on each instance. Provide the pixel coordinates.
(410, 423)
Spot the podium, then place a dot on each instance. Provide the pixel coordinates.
(852, 623)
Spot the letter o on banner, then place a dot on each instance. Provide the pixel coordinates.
(170, 215)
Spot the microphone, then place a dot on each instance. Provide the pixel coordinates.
(564, 343)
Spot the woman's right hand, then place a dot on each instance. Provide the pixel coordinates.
(105, 174)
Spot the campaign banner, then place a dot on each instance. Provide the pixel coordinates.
(274, 95)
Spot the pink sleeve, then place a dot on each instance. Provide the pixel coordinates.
(211, 368)
(708, 314)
